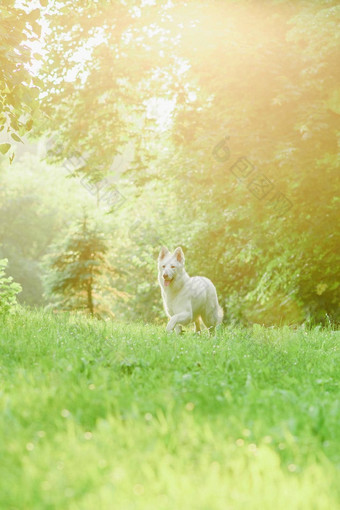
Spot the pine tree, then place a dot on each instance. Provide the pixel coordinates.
(78, 268)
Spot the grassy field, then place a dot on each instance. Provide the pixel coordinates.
(99, 415)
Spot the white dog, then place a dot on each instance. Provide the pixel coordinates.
(186, 299)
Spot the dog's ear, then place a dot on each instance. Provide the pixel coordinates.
(179, 255)
(164, 251)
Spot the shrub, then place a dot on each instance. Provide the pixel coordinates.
(8, 290)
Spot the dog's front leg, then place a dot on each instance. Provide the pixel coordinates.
(182, 318)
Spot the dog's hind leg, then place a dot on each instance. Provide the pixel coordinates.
(198, 325)
(212, 316)
(178, 329)
(211, 322)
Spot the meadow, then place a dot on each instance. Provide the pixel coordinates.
(130, 125)
(101, 415)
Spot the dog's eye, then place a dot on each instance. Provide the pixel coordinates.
(173, 267)
(163, 267)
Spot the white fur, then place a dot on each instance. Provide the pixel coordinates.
(186, 299)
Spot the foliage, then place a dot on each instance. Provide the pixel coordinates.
(99, 103)
(263, 83)
(134, 419)
(266, 95)
(176, 79)
(36, 203)
(78, 267)
(19, 89)
(8, 290)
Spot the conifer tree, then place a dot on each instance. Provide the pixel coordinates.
(78, 269)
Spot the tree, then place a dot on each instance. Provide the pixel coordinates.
(104, 95)
(78, 267)
(19, 89)
(263, 73)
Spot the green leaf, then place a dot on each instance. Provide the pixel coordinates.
(37, 28)
(4, 147)
(16, 137)
(34, 15)
(37, 81)
(29, 124)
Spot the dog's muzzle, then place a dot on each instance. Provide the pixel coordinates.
(166, 280)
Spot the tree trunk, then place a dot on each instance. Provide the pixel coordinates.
(89, 297)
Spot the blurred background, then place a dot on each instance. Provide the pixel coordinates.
(214, 126)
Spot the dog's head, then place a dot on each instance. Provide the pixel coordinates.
(170, 265)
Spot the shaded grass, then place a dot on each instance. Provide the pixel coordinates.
(106, 415)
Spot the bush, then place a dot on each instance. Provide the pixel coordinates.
(8, 290)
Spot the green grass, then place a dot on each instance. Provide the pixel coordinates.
(107, 416)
